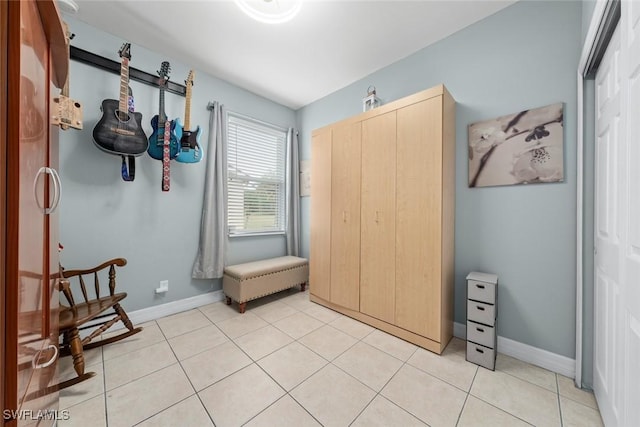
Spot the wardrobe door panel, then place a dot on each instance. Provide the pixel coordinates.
(378, 222)
(30, 179)
(419, 218)
(345, 216)
(320, 249)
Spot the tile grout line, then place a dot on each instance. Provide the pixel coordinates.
(185, 374)
(378, 393)
(253, 362)
(312, 374)
(104, 388)
(497, 407)
(466, 398)
(530, 382)
(164, 409)
(150, 373)
(559, 403)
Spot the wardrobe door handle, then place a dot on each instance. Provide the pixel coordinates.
(34, 361)
(344, 216)
(377, 219)
(57, 191)
(35, 188)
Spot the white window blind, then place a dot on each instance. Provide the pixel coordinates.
(256, 176)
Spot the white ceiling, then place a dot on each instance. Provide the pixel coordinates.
(327, 46)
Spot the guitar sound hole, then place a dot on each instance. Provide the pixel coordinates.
(122, 116)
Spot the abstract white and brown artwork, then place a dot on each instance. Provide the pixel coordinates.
(520, 148)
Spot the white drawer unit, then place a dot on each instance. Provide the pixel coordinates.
(482, 311)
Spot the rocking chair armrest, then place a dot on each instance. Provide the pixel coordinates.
(120, 262)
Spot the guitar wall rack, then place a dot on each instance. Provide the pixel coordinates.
(103, 63)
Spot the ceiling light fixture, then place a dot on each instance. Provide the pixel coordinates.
(68, 6)
(270, 11)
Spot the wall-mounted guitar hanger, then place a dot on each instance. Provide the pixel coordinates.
(114, 67)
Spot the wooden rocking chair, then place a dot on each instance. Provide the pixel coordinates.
(80, 315)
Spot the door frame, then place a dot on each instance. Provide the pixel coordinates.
(606, 15)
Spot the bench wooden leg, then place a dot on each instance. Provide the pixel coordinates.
(242, 307)
(303, 286)
(228, 301)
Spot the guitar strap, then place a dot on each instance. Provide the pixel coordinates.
(128, 175)
(166, 159)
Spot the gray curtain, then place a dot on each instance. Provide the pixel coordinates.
(212, 248)
(293, 194)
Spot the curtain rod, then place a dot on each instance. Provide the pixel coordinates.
(252, 119)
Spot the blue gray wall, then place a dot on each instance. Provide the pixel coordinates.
(103, 217)
(522, 57)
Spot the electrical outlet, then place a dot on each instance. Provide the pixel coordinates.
(164, 287)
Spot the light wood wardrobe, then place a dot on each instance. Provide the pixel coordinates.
(382, 217)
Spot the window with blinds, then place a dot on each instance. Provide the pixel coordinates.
(256, 176)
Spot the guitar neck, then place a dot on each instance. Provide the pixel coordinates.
(187, 109)
(124, 85)
(162, 117)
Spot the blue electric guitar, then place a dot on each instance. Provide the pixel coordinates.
(190, 150)
(156, 140)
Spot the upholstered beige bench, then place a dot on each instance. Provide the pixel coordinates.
(246, 282)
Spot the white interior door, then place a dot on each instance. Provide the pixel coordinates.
(617, 225)
(609, 132)
(630, 209)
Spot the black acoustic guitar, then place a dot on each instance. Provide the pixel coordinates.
(119, 130)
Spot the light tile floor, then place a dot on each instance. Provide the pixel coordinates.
(290, 362)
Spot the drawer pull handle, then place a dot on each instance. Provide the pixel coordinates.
(480, 286)
(479, 350)
(479, 329)
(480, 308)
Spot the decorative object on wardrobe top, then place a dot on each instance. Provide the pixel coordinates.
(106, 64)
(270, 11)
(520, 148)
(370, 101)
(67, 112)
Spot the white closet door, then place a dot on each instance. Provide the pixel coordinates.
(607, 302)
(617, 261)
(630, 213)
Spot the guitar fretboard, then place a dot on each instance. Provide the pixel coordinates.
(187, 109)
(162, 117)
(124, 85)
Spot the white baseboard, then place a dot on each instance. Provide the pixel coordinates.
(157, 311)
(536, 356)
